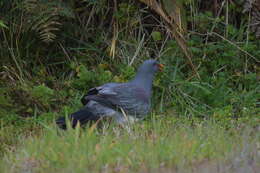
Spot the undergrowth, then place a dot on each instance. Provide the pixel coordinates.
(52, 52)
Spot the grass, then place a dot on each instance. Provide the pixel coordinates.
(42, 80)
(161, 143)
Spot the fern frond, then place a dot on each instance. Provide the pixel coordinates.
(45, 17)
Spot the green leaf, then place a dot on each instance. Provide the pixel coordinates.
(2, 24)
(156, 36)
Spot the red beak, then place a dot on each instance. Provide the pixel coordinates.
(160, 67)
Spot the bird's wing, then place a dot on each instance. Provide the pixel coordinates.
(131, 98)
(94, 91)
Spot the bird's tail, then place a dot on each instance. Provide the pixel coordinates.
(82, 116)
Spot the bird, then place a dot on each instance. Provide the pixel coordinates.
(124, 102)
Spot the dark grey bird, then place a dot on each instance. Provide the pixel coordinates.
(121, 101)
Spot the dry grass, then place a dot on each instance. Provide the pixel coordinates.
(159, 145)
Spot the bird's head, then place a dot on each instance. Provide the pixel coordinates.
(145, 74)
(150, 66)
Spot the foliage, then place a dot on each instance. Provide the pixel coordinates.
(227, 57)
(42, 93)
(87, 78)
(44, 17)
(2, 24)
(52, 52)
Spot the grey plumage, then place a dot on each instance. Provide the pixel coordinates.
(118, 100)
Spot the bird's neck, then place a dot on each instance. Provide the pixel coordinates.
(145, 81)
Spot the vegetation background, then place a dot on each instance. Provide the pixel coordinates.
(206, 103)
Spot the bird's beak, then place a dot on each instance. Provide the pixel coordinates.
(160, 67)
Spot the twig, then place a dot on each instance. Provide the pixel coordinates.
(242, 50)
(137, 51)
(175, 29)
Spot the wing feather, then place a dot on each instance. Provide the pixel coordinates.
(132, 99)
